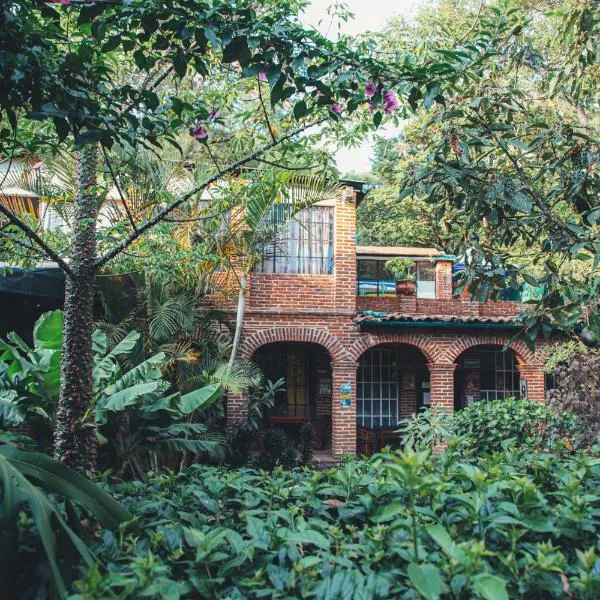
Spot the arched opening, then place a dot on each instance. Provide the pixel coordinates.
(486, 373)
(392, 384)
(306, 394)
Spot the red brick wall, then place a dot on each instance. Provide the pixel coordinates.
(443, 279)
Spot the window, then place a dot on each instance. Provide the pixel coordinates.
(499, 376)
(377, 398)
(302, 243)
(293, 365)
(425, 280)
(373, 279)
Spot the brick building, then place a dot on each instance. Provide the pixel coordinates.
(323, 314)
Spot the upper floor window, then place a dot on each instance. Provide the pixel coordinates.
(302, 243)
(373, 279)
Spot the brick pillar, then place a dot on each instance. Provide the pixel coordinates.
(344, 252)
(536, 381)
(443, 279)
(441, 377)
(343, 418)
(236, 412)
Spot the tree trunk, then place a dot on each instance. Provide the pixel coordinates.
(75, 441)
(239, 318)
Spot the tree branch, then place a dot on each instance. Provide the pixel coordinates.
(171, 207)
(34, 237)
(264, 108)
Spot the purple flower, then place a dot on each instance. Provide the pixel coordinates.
(199, 132)
(319, 93)
(262, 76)
(61, 2)
(370, 89)
(336, 108)
(213, 113)
(390, 101)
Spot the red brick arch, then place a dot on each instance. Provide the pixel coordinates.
(430, 350)
(523, 354)
(324, 338)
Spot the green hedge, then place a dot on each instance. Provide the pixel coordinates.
(407, 525)
(485, 426)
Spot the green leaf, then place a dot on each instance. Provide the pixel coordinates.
(388, 512)
(427, 580)
(300, 109)
(200, 399)
(490, 587)
(310, 536)
(47, 332)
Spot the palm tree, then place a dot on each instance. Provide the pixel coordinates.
(252, 224)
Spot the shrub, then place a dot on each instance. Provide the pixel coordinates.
(487, 425)
(275, 444)
(577, 392)
(308, 443)
(516, 524)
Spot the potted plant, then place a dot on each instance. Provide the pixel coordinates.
(402, 270)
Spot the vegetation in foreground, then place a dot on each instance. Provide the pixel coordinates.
(517, 523)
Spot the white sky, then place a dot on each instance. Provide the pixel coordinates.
(369, 15)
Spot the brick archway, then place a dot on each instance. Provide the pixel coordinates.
(523, 354)
(256, 340)
(428, 348)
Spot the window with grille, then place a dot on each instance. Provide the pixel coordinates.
(302, 243)
(499, 375)
(377, 396)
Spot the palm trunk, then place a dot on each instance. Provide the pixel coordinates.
(239, 319)
(75, 440)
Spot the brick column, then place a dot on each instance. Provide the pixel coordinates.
(344, 252)
(443, 279)
(343, 418)
(236, 412)
(441, 376)
(536, 381)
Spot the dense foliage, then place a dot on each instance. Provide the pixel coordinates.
(577, 391)
(399, 525)
(488, 426)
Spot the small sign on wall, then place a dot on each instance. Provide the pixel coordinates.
(346, 395)
(325, 385)
(523, 388)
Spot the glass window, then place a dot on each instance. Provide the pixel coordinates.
(425, 280)
(302, 243)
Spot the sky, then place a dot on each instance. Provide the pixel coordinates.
(370, 15)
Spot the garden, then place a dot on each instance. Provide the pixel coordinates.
(148, 152)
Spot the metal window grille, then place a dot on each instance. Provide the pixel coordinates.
(377, 397)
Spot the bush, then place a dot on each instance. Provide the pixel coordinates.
(578, 392)
(275, 445)
(400, 525)
(487, 425)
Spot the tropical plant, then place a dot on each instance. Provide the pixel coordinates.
(577, 392)
(401, 269)
(400, 525)
(54, 530)
(134, 411)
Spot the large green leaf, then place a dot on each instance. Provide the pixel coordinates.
(427, 580)
(128, 397)
(22, 474)
(10, 414)
(490, 587)
(47, 332)
(201, 398)
(58, 479)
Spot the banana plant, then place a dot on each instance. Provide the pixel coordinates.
(132, 410)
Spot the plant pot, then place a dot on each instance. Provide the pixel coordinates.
(406, 287)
